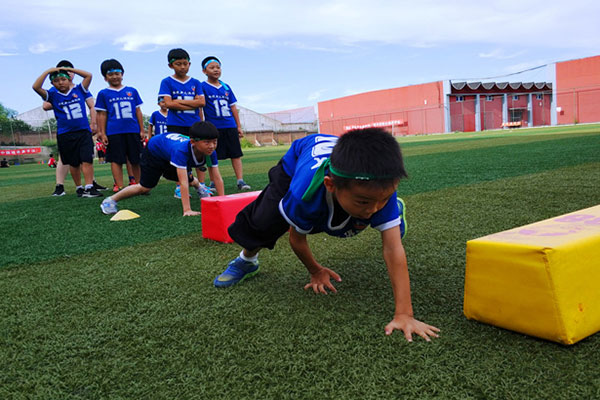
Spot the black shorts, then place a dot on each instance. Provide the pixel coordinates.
(260, 223)
(124, 146)
(76, 147)
(152, 168)
(100, 154)
(184, 130)
(228, 145)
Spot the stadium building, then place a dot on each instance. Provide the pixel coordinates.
(569, 94)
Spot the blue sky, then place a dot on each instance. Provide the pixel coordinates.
(280, 55)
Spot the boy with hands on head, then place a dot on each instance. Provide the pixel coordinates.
(337, 186)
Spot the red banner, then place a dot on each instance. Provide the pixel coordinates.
(20, 152)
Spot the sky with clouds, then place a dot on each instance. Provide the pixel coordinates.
(280, 55)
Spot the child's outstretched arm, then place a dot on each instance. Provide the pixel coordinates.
(320, 277)
(184, 186)
(395, 260)
(37, 84)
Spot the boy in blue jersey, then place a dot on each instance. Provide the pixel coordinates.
(184, 98)
(120, 121)
(74, 135)
(173, 155)
(157, 125)
(338, 186)
(220, 109)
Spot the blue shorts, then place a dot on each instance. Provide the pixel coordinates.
(76, 147)
(124, 146)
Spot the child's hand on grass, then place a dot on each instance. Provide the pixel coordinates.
(409, 325)
(321, 280)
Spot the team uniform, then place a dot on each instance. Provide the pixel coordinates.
(280, 205)
(122, 127)
(74, 137)
(217, 110)
(181, 121)
(159, 122)
(165, 153)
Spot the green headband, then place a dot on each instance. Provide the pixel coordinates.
(317, 179)
(59, 74)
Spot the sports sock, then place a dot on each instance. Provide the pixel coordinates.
(250, 259)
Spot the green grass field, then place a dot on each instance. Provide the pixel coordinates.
(94, 309)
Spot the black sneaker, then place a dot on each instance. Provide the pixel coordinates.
(59, 190)
(91, 192)
(98, 186)
(80, 191)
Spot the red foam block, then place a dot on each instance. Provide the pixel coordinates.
(219, 212)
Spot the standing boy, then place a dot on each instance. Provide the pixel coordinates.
(220, 109)
(173, 156)
(63, 169)
(120, 122)
(184, 98)
(158, 120)
(339, 187)
(74, 136)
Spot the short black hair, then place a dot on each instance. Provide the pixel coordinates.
(109, 64)
(203, 130)
(64, 63)
(208, 59)
(372, 152)
(177, 54)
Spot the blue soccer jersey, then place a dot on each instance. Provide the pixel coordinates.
(120, 106)
(218, 105)
(316, 215)
(178, 90)
(177, 150)
(69, 109)
(159, 122)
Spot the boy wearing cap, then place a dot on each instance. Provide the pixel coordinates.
(120, 121)
(220, 109)
(74, 137)
(157, 125)
(173, 155)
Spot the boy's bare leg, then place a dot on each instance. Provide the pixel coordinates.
(236, 163)
(88, 173)
(129, 191)
(76, 175)
(136, 172)
(61, 172)
(117, 173)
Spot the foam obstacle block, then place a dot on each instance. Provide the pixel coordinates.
(541, 279)
(219, 212)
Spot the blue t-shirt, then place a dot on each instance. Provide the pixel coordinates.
(159, 122)
(218, 105)
(178, 90)
(120, 106)
(316, 215)
(176, 149)
(69, 109)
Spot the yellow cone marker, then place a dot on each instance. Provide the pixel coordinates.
(124, 215)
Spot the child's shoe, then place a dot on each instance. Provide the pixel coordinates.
(91, 192)
(237, 270)
(98, 187)
(59, 190)
(109, 206)
(204, 191)
(243, 185)
(177, 193)
(131, 181)
(116, 188)
(79, 191)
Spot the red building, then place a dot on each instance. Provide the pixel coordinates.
(572, 95)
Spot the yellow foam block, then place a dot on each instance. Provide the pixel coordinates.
(541, 279)
(124, 215)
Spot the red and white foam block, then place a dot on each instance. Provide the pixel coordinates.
(218, 212)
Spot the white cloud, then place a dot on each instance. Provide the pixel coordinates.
(500, 54)
(332, 24)
(40, 48)
(316, 95)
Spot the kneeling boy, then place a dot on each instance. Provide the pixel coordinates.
(338, 186)
(173, 156)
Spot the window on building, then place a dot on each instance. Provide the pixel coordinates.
(539, 96)
(460, 99)
(516, 115)
(515, 97)
(489, 98)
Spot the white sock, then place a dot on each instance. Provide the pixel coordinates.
(79, 187)
(87, 187)
(250, 259)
